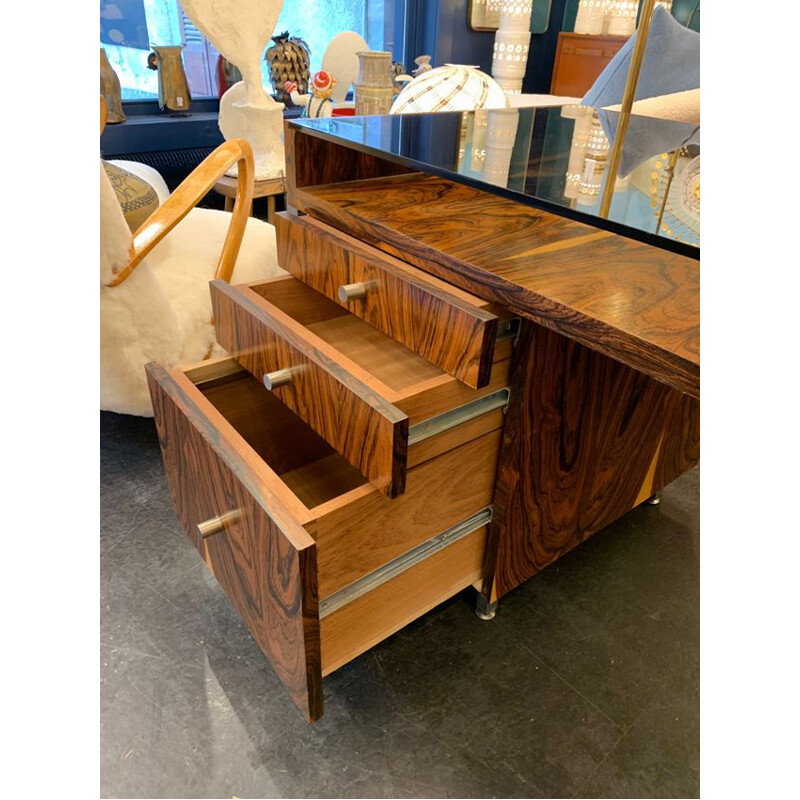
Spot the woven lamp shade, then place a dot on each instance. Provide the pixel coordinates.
(453, 87)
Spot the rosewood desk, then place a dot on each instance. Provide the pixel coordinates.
(462, 376)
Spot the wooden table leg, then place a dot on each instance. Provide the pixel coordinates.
(271, 209)
(228, 203)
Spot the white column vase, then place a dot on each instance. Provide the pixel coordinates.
(501, 134)
(591, 16)
(622, 17)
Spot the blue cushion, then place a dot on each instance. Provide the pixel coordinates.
(671, 64)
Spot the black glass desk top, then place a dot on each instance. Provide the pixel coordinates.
(554, 158)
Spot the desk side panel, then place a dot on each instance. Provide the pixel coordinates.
(586, 440)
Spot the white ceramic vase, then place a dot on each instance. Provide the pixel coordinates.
(591, 16)
(622, 17)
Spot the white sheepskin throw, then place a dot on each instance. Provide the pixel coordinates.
(162, 312)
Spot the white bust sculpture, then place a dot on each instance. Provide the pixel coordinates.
(240, 29)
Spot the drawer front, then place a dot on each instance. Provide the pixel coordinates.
(365, 529)
(296, 536)
(261, 556)
(324, 389)
(353, 628)
(443, 324)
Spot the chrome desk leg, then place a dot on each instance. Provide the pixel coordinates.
(484, 609)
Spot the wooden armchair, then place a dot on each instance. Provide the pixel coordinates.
(154, 298)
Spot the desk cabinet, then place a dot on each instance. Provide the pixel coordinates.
(402, 417)
(580, 58)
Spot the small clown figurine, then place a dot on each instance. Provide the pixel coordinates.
(318, 103)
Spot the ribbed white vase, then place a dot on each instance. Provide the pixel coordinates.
(594, 163)
(501, 134)
(577, 151)
(591, 16)
(622, 17)
(512, 44)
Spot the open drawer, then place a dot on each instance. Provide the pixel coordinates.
(319, 564)
(370, 397)
(445, 325)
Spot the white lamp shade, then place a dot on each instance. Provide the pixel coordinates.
(453, 87)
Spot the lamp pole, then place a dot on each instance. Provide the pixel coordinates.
(635, 68)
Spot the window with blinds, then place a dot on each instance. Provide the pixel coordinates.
(199, 59)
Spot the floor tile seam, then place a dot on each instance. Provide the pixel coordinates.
(577, 691)
(602, 761)
(450, 747)
(459, 751)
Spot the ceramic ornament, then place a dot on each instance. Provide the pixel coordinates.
(375, 87)
(318, 103)
(173, 85)
(110, 89)
(240, 30)
(289, 60)
(423, 65)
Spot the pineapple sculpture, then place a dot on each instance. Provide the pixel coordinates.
(289, 60)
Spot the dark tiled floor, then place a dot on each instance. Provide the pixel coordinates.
(585, 684)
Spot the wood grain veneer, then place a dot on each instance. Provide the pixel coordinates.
(586, 439)
(265, 561)
(445, 325)
(366, 621)
(327, 392)
(358, 388)
(311, 160)
(364, 530)
(310, 524)
(626, 299)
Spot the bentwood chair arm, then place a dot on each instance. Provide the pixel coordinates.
(191, 191)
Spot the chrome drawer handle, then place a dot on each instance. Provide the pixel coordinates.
(281, 377)
(352, 291)
(216, 525)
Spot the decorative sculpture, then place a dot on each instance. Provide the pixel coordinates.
(289, 59)
(340, 59)
(110, 89)
(240, 29)
(375, 87)
(173, 87)
(423, 65)
(397, 73)
(318, 103)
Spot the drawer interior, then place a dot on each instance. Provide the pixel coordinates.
(390, 362)
(303, 460)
